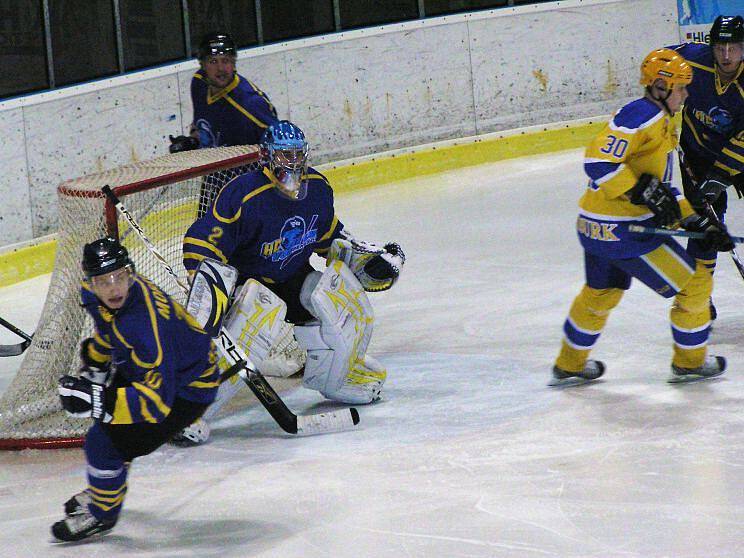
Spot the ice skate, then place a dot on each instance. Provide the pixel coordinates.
(712, 367)
(193, 435)
(593, 369)
(80, 525)
(77, 504)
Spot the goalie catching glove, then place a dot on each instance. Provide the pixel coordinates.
(82, 398)
(377, 268)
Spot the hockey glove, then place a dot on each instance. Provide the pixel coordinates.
(82, 398)
(383, 269)
(716, 235)
(658, 197)
(714, 185)
(96, 372)
(182, 143)
(376, 268)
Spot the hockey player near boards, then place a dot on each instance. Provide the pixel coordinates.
(267, 224)
(228, 108)
(629, 164)
(712, 139)
(148, 371)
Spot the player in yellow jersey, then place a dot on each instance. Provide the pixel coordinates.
(629, 164)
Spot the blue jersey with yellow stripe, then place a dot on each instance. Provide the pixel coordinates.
(713, 117)
(639, 139)
(158, 350)
(260, 232)
(235, 115)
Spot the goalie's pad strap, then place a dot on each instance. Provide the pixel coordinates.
(339, 341)
(256, 322)
(211, 288)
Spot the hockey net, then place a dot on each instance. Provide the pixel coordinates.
(165, 195)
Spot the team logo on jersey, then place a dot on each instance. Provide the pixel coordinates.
(295, 235)
(717, 119)
(206, 136)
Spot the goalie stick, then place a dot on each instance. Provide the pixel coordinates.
(18, 348)
(240, 363)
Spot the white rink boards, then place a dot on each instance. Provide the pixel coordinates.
(469, 453)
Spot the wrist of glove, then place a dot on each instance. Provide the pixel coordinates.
(81, 398)
(658, 197)
(713, 185)
(182, 143)
(716, 237)
(96, 372)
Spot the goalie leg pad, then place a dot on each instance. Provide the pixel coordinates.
(256, 322)
(211, 287)
(336, 344)
(225, 392)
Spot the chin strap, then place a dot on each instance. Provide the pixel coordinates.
(663, 100)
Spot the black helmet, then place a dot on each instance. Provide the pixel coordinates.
(104, 256)
(214, 44)
(727, 29)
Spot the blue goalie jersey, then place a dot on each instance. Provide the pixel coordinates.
(261, 233)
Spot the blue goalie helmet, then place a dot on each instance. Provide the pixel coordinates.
(284, 151)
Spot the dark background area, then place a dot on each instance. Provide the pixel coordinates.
(45, 44)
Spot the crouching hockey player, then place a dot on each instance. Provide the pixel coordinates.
(259, 234)
(163, 377)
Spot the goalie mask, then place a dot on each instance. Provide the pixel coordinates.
(284, 152)
(109, 270)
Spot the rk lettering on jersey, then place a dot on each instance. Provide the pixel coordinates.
(596, 231)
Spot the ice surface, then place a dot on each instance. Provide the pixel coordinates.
(469, 454)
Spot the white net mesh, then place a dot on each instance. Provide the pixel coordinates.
(164, 195)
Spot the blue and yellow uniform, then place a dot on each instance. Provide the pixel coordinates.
(165, 372)
(235, 115)
(712, 132)
(713, 116)
(640, 138)
(263, 234)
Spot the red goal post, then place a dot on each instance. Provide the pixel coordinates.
(165, 195)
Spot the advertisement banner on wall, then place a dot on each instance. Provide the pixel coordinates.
(696, 17)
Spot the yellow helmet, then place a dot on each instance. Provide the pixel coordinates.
(667, 65)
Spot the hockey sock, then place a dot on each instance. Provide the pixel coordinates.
(582, 328)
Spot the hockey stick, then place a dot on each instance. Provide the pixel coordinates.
(714, 217)
(285, 418)
(708, 208)
(17, 349)
(675, 232)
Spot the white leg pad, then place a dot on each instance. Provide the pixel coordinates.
(336, 364)
(256, 322)
(225, 392)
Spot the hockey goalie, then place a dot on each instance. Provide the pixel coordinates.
(288, 317)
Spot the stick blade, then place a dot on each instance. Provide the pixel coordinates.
(323, 423)
(13, 350)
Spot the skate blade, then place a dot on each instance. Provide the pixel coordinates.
(92, 538)
(691, 378)
(573, 381)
